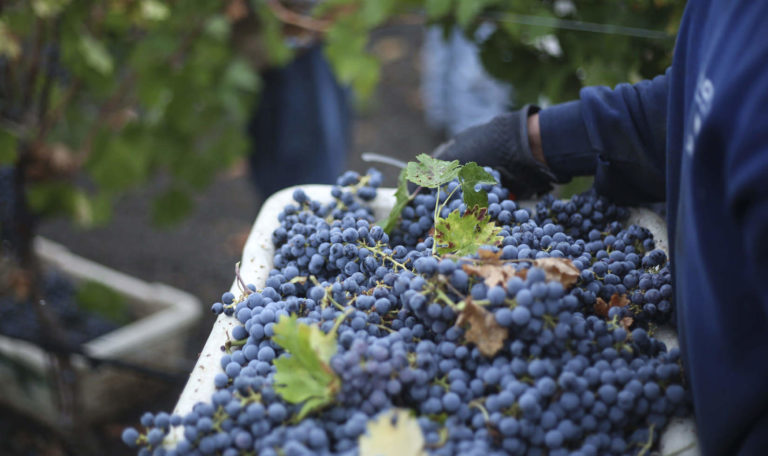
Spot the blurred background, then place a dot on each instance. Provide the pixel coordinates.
(144, 135)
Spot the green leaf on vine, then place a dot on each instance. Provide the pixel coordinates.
(304, 375)
(464, 235)
(96, 54)
(8, 147)
(438, 8)
(470, 175)
(171, 207)
(401, 200)
(431, 172)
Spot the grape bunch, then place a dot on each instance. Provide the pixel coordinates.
(19, 320)
(7, 203)
(491, 352)
(581, 214)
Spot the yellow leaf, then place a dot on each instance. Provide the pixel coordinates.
(393, 433)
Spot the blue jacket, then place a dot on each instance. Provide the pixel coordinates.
(697, 137)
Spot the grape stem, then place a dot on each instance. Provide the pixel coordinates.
(327, 290)
(384, 327)
(478, 403)
(376, 251)
(340, 319)
(647, 447)
(240, 280)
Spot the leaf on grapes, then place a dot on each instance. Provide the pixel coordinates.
(401, 200)
(470, 175)
(306, 375)
(464, 235)
(392, 433)
(617, 300)
(492, 274)
(626, 322)
(431, 172)
(487, 256)
(483, 329)
(601, 307)
(559, 269)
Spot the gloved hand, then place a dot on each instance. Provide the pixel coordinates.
(503, 145)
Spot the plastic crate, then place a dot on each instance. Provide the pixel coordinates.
(679, 438)
(157, 337)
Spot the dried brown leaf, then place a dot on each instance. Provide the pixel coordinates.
(559, 269)
(489, 256)
(618, 300)
(626, 322)
(483, 330)
(601, 307)
(492, 274)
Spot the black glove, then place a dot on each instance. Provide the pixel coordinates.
(502, 144)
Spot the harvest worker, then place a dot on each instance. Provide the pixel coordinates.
(696, 137)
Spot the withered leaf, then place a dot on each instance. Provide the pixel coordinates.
(483, 330)
(489, 256)
(601, 307)
(618, 300)
(492, 274)
(626, 322)
(559, 269)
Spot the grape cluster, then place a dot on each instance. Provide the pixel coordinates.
(18, 319)
(568, 378)
(581, 214)
(7, 204)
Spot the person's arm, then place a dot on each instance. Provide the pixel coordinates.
(618, 135)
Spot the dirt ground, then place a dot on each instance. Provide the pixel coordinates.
(199, 255)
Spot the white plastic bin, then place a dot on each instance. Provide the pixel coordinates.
(257, 262)
(167, 315)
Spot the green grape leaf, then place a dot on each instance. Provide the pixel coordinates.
(46, 9)
(154, 10)
(470, 175)
(431, 172)
(8, 148)
(466, 11)
(464, 235)
(241, 76)
(171, 207)
(401, 200)
(96, 54)
(306, 375)
(278, 51)
(438, 8)
(9, 44)
(374, 12)
(99, 299)
(392, 433)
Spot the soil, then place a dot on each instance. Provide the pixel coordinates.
(199, 255)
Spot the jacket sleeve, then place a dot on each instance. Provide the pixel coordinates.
(618, 135)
